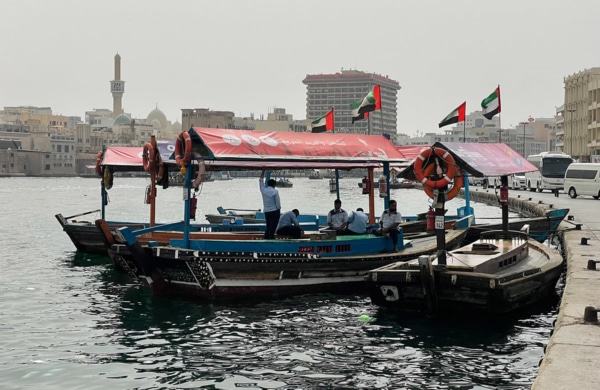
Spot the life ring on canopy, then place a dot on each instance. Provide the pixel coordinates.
(182, 157)
(149, 158)
(99, 156)
(459, 181)
(107, 178)
(442, 154)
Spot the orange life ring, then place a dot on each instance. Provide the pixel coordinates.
(459, 181)
(149, 157)
(98, 162)
(183, 141)
(440, 153)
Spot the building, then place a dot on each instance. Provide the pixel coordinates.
(340, 90)
(277, 120)
(560, 128)
(117, 88)
(581, 128)
(204, 117)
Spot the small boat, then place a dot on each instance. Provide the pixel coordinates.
(315, 175)
(395, 184)
(221, 176)
(283, 182)
(499, 273)
(233, 215)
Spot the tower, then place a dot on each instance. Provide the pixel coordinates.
(117, 88)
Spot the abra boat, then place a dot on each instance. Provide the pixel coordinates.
(244, 267)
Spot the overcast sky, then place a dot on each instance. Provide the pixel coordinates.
(249, 56)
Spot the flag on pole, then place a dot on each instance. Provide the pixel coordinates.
(491, 104)
(324, 123)
(356, 115)
(457, 115)
(371, 102)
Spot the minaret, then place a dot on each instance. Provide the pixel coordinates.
(117, 88)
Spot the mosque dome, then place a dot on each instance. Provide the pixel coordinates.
(122, 120)
(158, 119)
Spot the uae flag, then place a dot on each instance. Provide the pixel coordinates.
(371, 102)
(491, 104)
(324, 123)
(457, 115)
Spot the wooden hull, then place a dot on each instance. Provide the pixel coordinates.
(462, 291)
(225, 276)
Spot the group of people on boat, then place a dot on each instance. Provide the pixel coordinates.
(338, 219)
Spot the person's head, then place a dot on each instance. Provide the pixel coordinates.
(360, 209)
(271, 182)
(393, 205)
(295, 211)
(337, 204)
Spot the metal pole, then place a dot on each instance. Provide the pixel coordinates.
(440, 233)
(187, 197)
(153, 184)
(337, 184)
(524, 140)
(386, 173)
(371, 196)
(504, 202)
(464, 131)
(368, 124)
(102, 189)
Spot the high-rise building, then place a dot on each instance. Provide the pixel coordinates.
(340, 90)
(117, 88)
(582, 112)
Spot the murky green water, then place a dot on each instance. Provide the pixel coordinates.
(70, 321)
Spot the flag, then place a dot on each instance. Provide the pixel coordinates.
(324, 123)
(371, 102)
(457, 115)
(356, 115)
(491, 104)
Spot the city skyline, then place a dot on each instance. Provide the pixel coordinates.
(440, 58)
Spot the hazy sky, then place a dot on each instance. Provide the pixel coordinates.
(248, 56)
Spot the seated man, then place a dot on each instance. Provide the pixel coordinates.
(337, 219)
(390, 219)
(357, 222)
(288, 225)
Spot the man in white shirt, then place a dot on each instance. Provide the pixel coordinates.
(337, 218)
(271, 205)
(390, 219)
(357, 222)
(288, 225)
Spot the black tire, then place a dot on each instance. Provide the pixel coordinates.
(530, 188)
(596, 196)
(572, 193)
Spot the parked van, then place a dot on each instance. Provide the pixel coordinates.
(583, 179)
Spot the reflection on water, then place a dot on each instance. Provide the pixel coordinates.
(69, 320)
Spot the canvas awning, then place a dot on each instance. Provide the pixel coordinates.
(129, 158)
(247, 149)
(410, 152)
(479, 159)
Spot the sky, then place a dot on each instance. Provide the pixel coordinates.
(250, 56)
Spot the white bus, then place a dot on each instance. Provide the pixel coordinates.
(551, 171)
(583, 179)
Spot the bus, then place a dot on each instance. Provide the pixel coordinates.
(551, 171)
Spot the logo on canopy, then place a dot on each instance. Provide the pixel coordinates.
(232, 140)
(269, 141)
(250, 139)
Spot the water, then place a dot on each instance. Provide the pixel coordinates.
(70, 321)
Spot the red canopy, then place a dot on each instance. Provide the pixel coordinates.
(263, 148)
(410, 152)
(123, 156)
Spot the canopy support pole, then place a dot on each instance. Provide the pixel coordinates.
(504, 202)
(440, 233)
(371, 195)
(153, 185)
(103, 194)
(187, 197)
(337, 184)
(386, 173)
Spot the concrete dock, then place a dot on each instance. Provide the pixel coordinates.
(572, 355)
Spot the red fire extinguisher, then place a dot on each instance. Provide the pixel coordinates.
(366, 186)
(193, 204)
(430, 220)
(383, 190)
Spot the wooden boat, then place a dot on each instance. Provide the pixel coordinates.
(315, 175)
(498, 273)
(283, 182)
(394, 184)
(233, 215)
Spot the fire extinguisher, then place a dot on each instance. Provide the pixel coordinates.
(504, 194)
(366, 186)
(383, 190)
(193, 204)
(430, 220)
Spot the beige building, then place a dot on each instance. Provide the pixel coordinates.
(278, 120)
(204, 117)
(560, 128)
(581, 128)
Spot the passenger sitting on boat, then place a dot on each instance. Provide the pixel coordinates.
(390, 219)
(271, 205)
(288, 225)
(337, 218)
(357, 222)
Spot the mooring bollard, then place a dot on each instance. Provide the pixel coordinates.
(592, 264)
(590, 315)
(577, 226)
(570, 217)
(584, 241)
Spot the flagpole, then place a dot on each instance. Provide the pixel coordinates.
(500, 128)
(368, 124)
(465, 131)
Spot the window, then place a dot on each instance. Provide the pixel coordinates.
(66, 148)
(59, 148)
(47, 167)
(581, 174)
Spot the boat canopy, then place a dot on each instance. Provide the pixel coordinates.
(410, 152)
(245, 149)
(129, 158)
(479, 159)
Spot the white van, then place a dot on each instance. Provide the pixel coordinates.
(583, 179)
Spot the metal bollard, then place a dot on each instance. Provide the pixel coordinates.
(590, 315)
(584, 241)
(592, 264)
(578, 226)
(570, 217)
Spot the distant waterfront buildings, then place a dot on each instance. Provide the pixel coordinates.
(340, 90)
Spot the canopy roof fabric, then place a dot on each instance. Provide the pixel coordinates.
(129, 158)
(410, 152)
(480, 159)
(285, 149)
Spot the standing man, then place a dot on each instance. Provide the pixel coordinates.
(337, 219)
(271, 205)
(390, 219)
